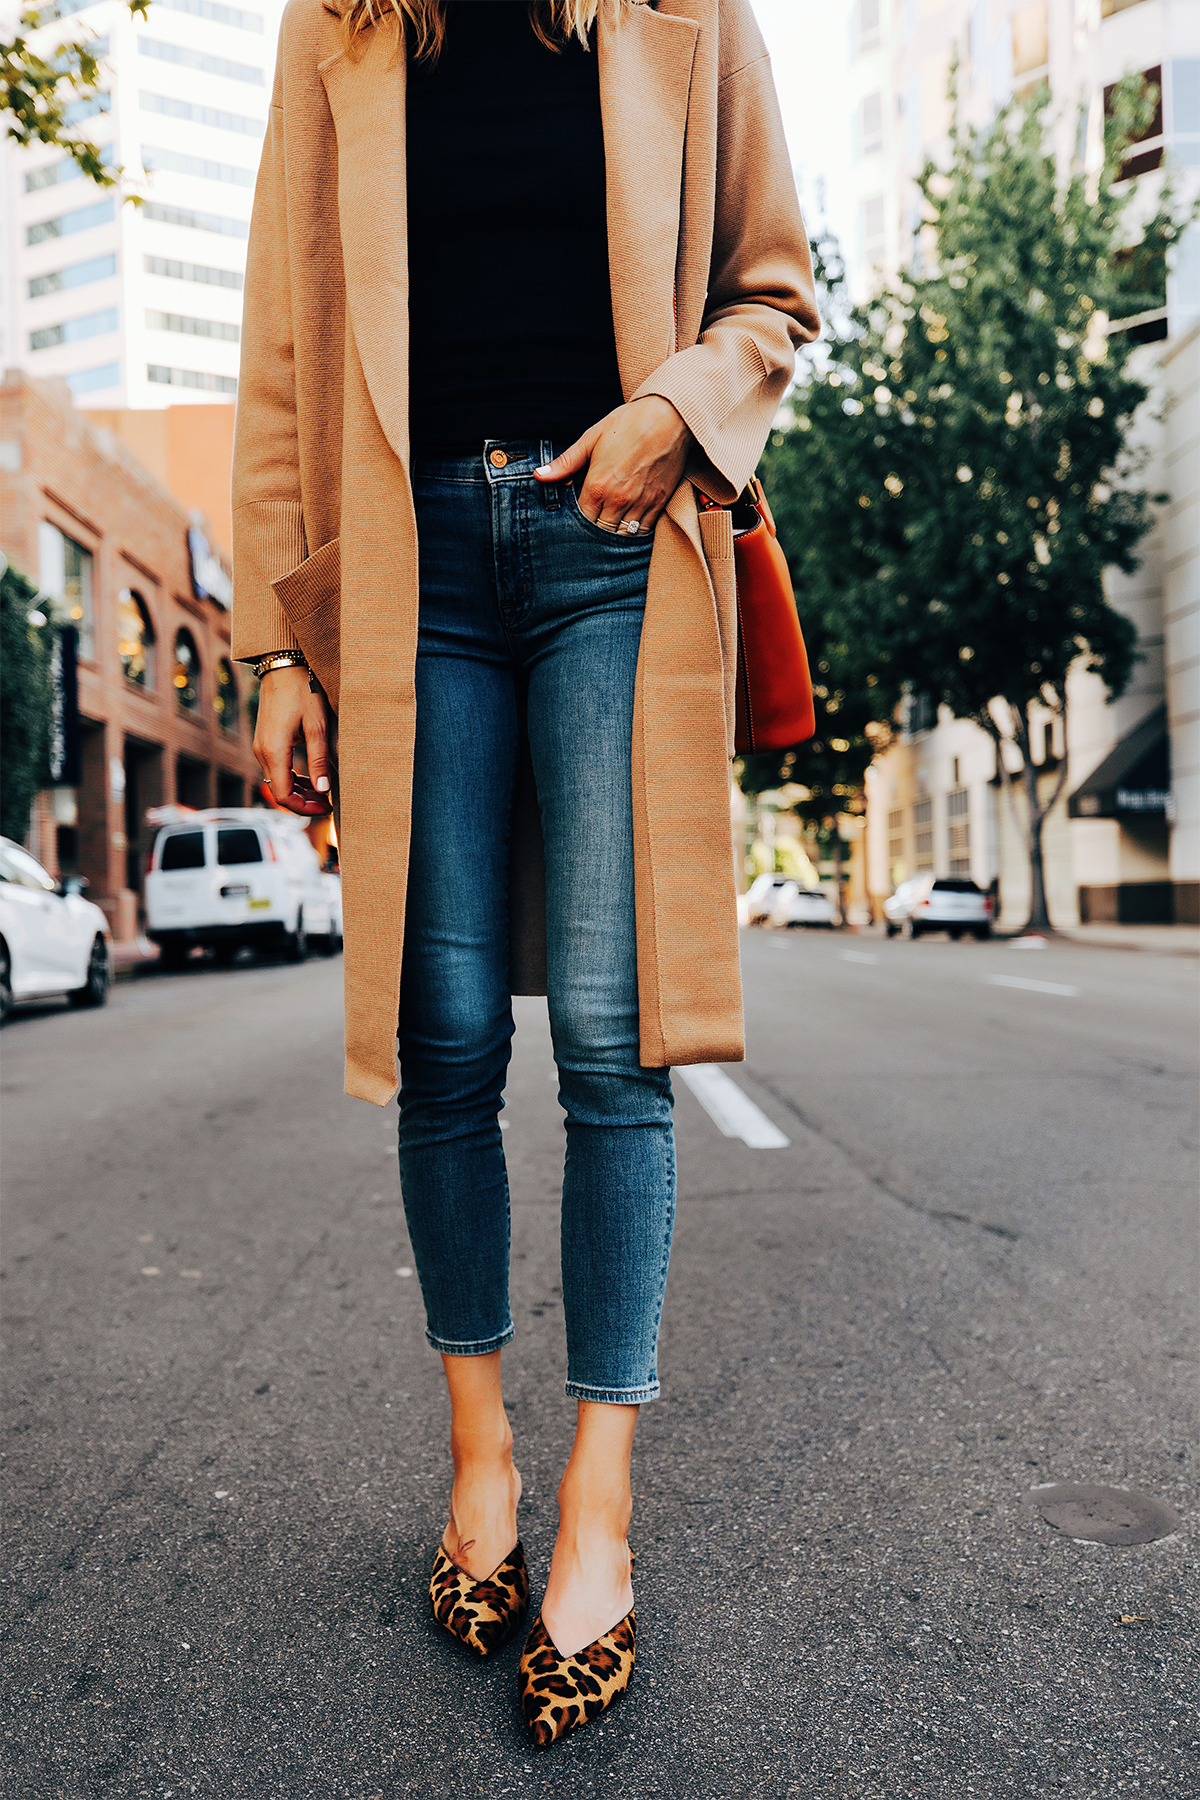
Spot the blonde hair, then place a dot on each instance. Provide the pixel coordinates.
(552, 20)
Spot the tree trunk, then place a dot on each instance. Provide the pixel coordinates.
(1032, 825)
(1039, 914)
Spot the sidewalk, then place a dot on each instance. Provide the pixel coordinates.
(133, 955)
(1165, 940)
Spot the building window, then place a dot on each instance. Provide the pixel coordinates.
(177, 163)
(958, 807)
(873, 218)
(1152, 133)
(866, 25)
(870, 125)
(135, 639)
(83, 218)
(67, 169)
(73, 331)
(209, 328)
(220, 15)
(192, 378)
(225, 700)
(195, 221)
(65, 579)
(897, 867)
(201, 61)
(923, 829)
(183, 271)
(87, 108)
(201, 115)
(75, 275)
(90, 381)
(186, 675)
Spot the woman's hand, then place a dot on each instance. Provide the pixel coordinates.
(289, 713)
(634, 460)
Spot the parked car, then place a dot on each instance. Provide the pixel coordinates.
(52, 940)
(237, 876)
(795, 904)
(760, 897)
(950, 903)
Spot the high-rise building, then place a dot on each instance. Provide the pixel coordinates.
(140, 306)
(902, 56)
(1124, 841)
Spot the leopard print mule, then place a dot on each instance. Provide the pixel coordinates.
(559, 1692)
(481, 1614)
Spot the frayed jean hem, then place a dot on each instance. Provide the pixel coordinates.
(473, 1346)
(613, 1396)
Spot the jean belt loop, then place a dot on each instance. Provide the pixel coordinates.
(551, 497)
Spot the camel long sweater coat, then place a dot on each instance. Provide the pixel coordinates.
(712, 292)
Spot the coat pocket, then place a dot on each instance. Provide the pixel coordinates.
(311, 596)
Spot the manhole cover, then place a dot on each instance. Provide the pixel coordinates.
(1102, 1515)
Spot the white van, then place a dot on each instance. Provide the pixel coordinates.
(237, 876)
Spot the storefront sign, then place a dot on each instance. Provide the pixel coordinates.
(211, 580)
(1142, 800)
(66, 764)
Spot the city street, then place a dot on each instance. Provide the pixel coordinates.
(969, 1273)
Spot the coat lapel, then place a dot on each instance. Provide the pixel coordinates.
(645, 79)
(366, 99)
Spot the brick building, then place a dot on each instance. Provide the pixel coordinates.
(163, 708)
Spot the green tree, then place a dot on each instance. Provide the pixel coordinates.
(830, 767)
(958, 476)
(38, 93)
(24, 703)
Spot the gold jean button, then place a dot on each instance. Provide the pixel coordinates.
(498, 459)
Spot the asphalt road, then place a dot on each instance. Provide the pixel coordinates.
(970, 1273)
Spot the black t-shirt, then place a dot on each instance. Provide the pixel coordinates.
(511, 331)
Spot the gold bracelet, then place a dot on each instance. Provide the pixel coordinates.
(279, 659)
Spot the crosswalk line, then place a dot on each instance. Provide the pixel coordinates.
(732, 1111)
(1034, 987)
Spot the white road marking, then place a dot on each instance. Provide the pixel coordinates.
(731, 1111)
(859, 956)
(1035, 987)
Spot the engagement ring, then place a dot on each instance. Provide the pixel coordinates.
(633, 526)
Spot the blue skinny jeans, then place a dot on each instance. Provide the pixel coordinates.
(529, 614)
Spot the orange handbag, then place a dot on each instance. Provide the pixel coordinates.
(774, 686)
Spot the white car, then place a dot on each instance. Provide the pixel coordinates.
(795, 904)
(760, 897)
(236, 876)
(331, 881)
(52, 940)
(949, 903)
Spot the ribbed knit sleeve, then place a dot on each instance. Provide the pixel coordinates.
(268, 542)
(761, 299)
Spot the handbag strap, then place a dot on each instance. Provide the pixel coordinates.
(748, 511)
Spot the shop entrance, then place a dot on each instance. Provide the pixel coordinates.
(231, 789)
(192, 783)
(143, 788)
(91, 842)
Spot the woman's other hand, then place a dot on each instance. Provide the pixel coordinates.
(289, 713)
(634, 460)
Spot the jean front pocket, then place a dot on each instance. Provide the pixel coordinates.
(623, 540)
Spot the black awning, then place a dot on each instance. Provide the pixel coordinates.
(1135, 776)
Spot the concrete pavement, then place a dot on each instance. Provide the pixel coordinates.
(971, 1272)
